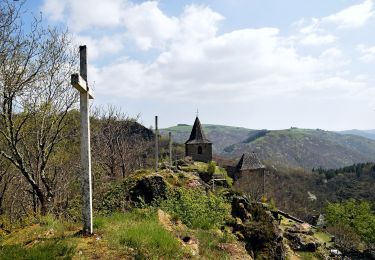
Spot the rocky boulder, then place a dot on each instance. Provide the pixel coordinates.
(241, 208)
(258, 229)
(303, 228)
(149, 188)
(300, 238)
(301, 242)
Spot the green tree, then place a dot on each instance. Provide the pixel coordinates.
(357, 215)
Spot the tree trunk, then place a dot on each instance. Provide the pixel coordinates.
(123, 170)
(35, 202)
(43, 201)
(43, 206)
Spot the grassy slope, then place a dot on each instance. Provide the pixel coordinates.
(119, 236)
(304, 148)
(136, 234)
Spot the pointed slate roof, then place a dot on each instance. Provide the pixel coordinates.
(249, 161)
(197, 135)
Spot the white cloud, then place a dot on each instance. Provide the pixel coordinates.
(148, 26)
(332, 53)
(334, 59)
(128, 78)
(198, 23)
(193, 60)
(239, 65)
(315, 31)
(311, 32)
(316, 39)
(99, 47)
(352, 17)
(82, 15)
(367, 53)
(311, 27)
(143, 23)
(54, 9)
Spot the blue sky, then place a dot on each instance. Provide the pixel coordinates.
(257, 64)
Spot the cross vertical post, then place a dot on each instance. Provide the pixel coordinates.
(79, 81)
(156, 144)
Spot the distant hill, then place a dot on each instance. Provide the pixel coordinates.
(365, 133)
(221, 136)
(305, 148)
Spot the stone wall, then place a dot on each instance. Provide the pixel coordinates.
(240, 173)
(193, 151)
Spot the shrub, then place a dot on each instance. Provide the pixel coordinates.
(206, 173)
(345, 236)
(196, 209)
(114, 199)
(272, 204)
(211, 168)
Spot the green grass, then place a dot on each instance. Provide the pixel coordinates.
(45, 240)
(307, 255)
(141, 231)
(196, 167)
(209, 241)
(135, 234)
(323, 237)
(51, 249)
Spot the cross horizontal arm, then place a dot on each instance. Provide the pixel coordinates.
(80, 84)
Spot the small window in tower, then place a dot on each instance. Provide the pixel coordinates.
(199, 149)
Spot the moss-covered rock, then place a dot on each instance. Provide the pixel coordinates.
(141, 187)
(149, 188)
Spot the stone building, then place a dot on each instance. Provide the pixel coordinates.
(249, 164)
(198, 146)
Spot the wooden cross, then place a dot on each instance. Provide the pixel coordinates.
(79, 81)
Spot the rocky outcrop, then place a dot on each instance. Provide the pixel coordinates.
(149, 188)
(256, 226)
(300, 238)
(301, 242)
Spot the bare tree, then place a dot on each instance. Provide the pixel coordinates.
(6, 176)
(251, 183)
(35, 97)
(119, 142)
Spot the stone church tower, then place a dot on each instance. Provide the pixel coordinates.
(198, 146)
